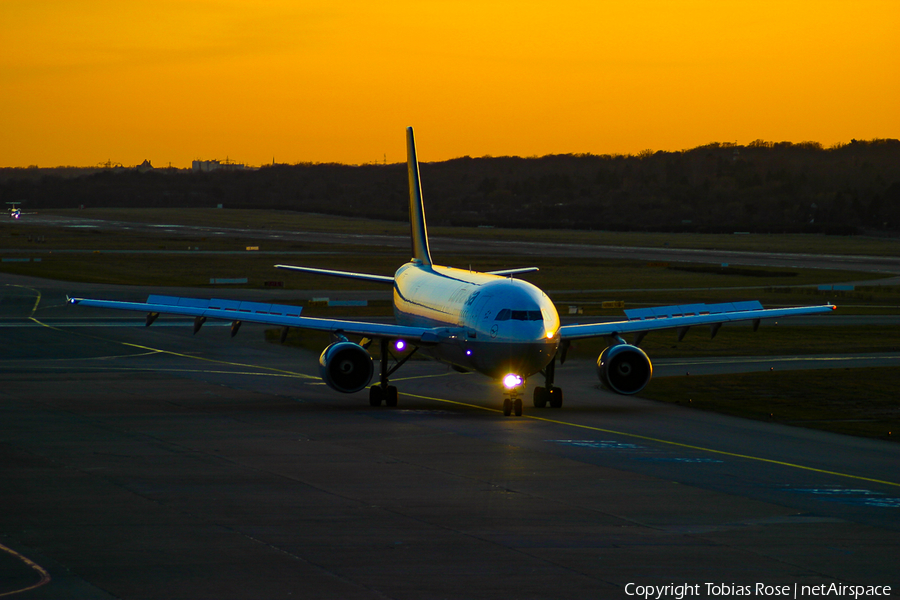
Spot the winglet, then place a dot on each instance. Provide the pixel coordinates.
(420, 250)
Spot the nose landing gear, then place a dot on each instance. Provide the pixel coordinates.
(513, 384)
(512, 403)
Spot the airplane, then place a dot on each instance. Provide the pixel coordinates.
(490, 323)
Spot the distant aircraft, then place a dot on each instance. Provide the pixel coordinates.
(491, 323)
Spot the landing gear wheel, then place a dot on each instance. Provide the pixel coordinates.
(507, 407)
(375, 395)
(540, 397)
(517, 407)
(556, 397)
(379, 394)
(549, 393)
(391, 396)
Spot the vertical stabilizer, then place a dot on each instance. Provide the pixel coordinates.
(420, 250)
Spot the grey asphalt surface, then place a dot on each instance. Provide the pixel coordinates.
(152, 463)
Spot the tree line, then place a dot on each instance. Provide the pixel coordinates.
(759, 187)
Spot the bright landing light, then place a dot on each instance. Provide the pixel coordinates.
(512, 380)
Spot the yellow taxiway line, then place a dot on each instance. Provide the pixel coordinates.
(667, 442)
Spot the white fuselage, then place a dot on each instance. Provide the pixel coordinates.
(495, 325)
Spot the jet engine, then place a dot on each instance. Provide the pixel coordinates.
(346, 367)
(624, 369)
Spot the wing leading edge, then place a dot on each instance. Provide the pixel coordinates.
(674, 317)
(268, 314)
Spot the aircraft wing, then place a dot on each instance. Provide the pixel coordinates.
(643, 320)
(268, 314)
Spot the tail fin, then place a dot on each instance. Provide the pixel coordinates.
(420, 250)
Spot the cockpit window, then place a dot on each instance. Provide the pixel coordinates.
(519, 315)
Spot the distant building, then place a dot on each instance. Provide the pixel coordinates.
(144, 166)
(204, 165)
(213, 165)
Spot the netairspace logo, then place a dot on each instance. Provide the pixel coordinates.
(759, 590)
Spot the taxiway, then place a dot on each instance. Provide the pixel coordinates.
(152, 463)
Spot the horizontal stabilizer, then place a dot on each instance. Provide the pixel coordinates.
(507, 272)
(344, 274)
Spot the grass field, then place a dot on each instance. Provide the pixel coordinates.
(292, 221)
(852, 401)
(634, 283)
(770, 340)
(112, 256)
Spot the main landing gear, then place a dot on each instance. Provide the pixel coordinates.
(382, 392)
(385, 393)
(549, 394)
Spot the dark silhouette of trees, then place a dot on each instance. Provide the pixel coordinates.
(719, 187)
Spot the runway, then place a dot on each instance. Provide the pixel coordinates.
(152, 463)
(449, 245)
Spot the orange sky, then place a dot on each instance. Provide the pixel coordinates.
(84, 81)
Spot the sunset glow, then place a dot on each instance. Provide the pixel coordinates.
(173, 81)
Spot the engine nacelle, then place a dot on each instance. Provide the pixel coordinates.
(624, 369)
(346, 367)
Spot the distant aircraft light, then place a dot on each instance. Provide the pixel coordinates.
(512, 381)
